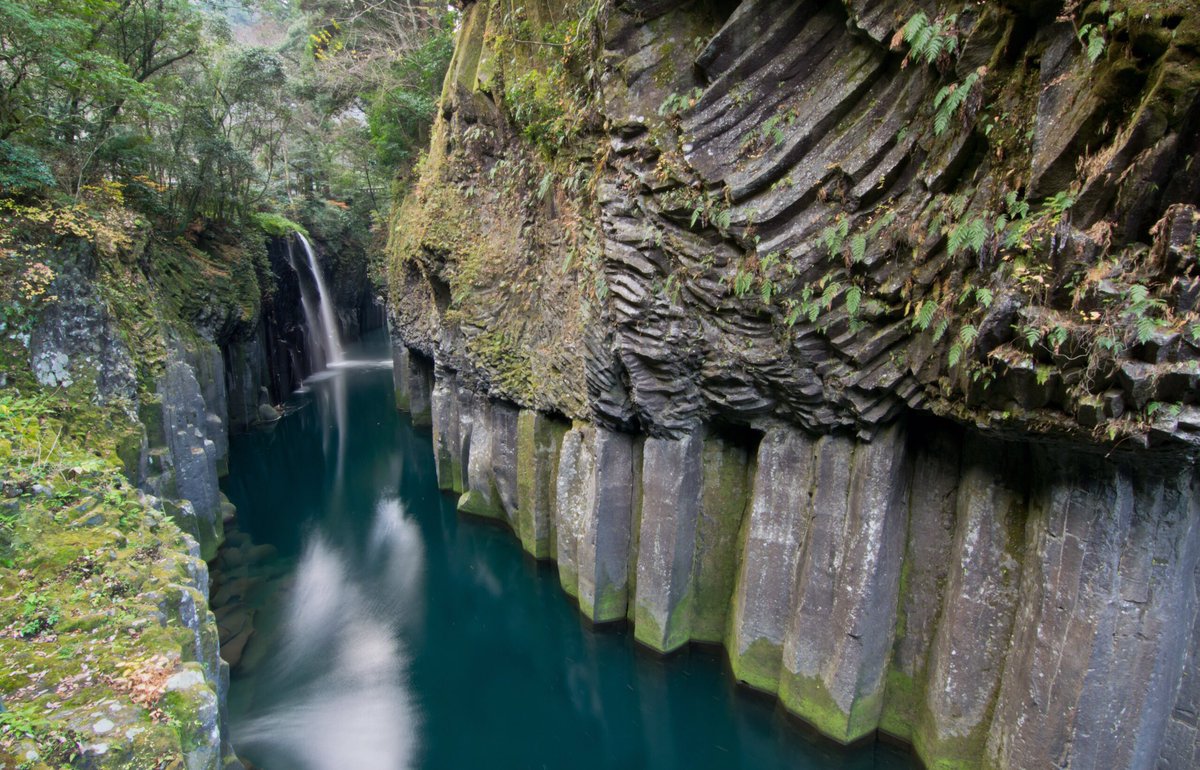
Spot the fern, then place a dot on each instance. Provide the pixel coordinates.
(925, 314)
(972, 233)
(968, 334)
(834, 235)
(544, 186)
(853, 300)
(742, 283)
(1146, 326)
(929, 40)
(767, 290)
(830, 293)
(858, 247)
(1032, 335)
(984, 296)
(884, 221)
(940, 330)
(949, 99)
(952, 358)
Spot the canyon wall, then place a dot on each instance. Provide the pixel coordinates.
(165, 363)
(858, 338)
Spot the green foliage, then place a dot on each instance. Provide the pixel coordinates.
(22, 171)
(950, 99)
(925, 314)
(853, 300)
(1143, 311)
(676, 103)
(556, 99)
(276, 225)
(1092, 35)
(770, 132)
(742, 282)
(401, 111)
(57, 746)
(834, 236)
(929, 40)
(858, 247)
(971, 234)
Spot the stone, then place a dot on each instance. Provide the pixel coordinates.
(539, 444)
(936, 452)
(837, 649)
(503, 431)
(775, 536)
(447, 444)
(724, 500)
(974, 633)
(575, 492)
(604, 543)
(671, 500)
(480, 497)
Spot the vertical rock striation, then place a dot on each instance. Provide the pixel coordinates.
(996, 603)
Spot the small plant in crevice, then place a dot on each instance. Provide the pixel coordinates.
(950, 99)
(675, 103)
(770, 132)
(1093, 36)
(929, 40)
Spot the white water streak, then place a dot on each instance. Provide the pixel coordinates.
(333, 340)
(337, 694)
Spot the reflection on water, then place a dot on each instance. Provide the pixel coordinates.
(391, 633)
(335, 695)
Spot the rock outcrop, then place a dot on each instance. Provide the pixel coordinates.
(995, 603)
(858, 337)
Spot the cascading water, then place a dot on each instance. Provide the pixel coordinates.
(314, 345)
(324, 320)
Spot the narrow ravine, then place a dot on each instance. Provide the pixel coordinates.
(389, 632)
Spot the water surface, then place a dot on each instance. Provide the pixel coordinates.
(393, 633)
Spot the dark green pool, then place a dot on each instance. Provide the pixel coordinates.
(392, 633)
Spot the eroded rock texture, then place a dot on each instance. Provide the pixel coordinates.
(875, 365)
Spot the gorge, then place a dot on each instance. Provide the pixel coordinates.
(814, 376)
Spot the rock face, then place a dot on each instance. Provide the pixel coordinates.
(998, 604)
(860, 338)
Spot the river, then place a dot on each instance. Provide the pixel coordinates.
(390, 632)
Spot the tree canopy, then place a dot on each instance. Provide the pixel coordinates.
(215, 112)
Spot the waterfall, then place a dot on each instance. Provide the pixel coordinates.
(313, 345)
(324, 322)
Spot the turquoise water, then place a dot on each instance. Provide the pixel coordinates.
(391, 632)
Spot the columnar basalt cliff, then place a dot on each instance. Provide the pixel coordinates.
(859, 338)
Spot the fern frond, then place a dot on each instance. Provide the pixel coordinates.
(925, 314)
(858, 247)
(853, 300)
